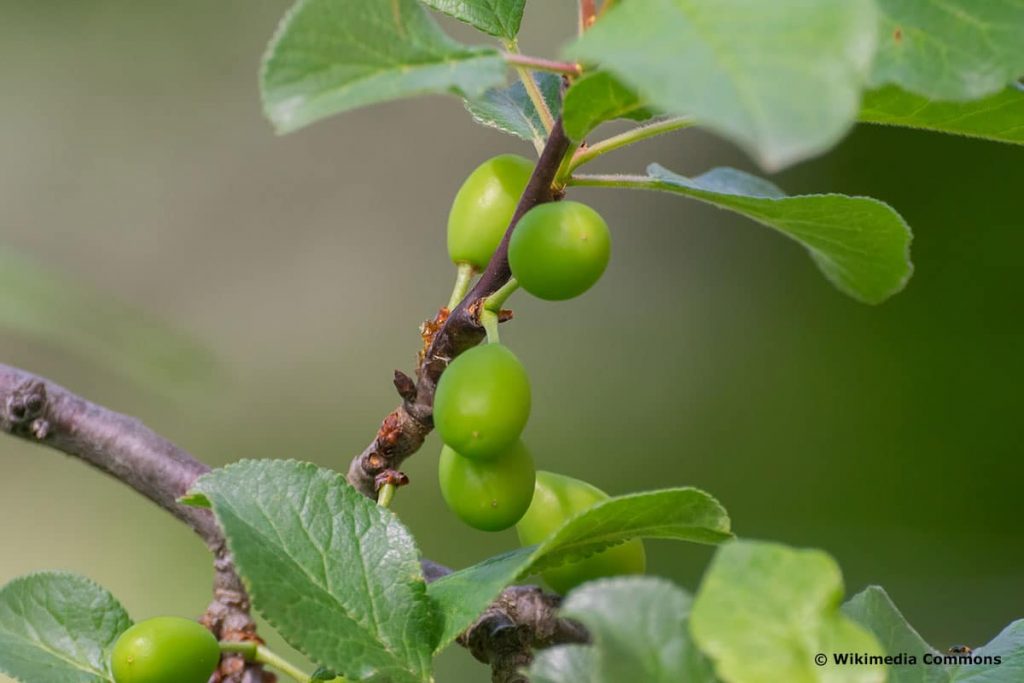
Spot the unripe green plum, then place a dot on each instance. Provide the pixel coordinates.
(483, 208)
(482, 401)
(165, 650)
(557, 498)
(490, 495)
(559, 250)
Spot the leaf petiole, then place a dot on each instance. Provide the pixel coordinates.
(523, 65)
(613, 180)
(634, 135)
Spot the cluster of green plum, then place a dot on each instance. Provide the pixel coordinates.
(557, 251)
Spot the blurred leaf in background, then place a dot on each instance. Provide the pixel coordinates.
(56, 310)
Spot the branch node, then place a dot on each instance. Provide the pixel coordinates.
(374, 463)
(24, 407)
(389, 476)
(405, 385)
(429, 330)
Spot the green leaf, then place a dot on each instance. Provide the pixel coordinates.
(1008, 646)
(684, 514)
(596, 98)
(873, 609)
(329, 56)
(510, 109)
(499, 18)
(43, 304)
(337, 575)
(564, 664)
(860, 244)
(781, 78)
(999, 117)
(58, 628)
(764, 611)
(950, 49)
(640, 627)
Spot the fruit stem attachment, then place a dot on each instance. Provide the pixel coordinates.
(463, 279)
(491, 308)
(634, 135)
(247, 649)
(495, 301)
(386, 494)
(261, 654)
(489, 319)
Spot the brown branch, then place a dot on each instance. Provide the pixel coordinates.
(523, 618)
(42, 412)
(404, 429)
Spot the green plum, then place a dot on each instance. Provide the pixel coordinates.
(165, 650)
(482, 401)
(483, 208)
(490, 495)
(559, 250)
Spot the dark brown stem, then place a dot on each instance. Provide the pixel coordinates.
(43, 412)
(404, 429)
(523, 618)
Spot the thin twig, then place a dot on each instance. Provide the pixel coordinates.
(524, 618)
(404, 429)
(542, 64)
(43, 412)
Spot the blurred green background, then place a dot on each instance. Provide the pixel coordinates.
(135, 162)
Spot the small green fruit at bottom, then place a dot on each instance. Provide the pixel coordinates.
(559, 250)
(482, 402)
(489, 495)
(558, 498)
(165, 650)
(483, 208)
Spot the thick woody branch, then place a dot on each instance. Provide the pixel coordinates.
(405, 428)
(42, 412)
